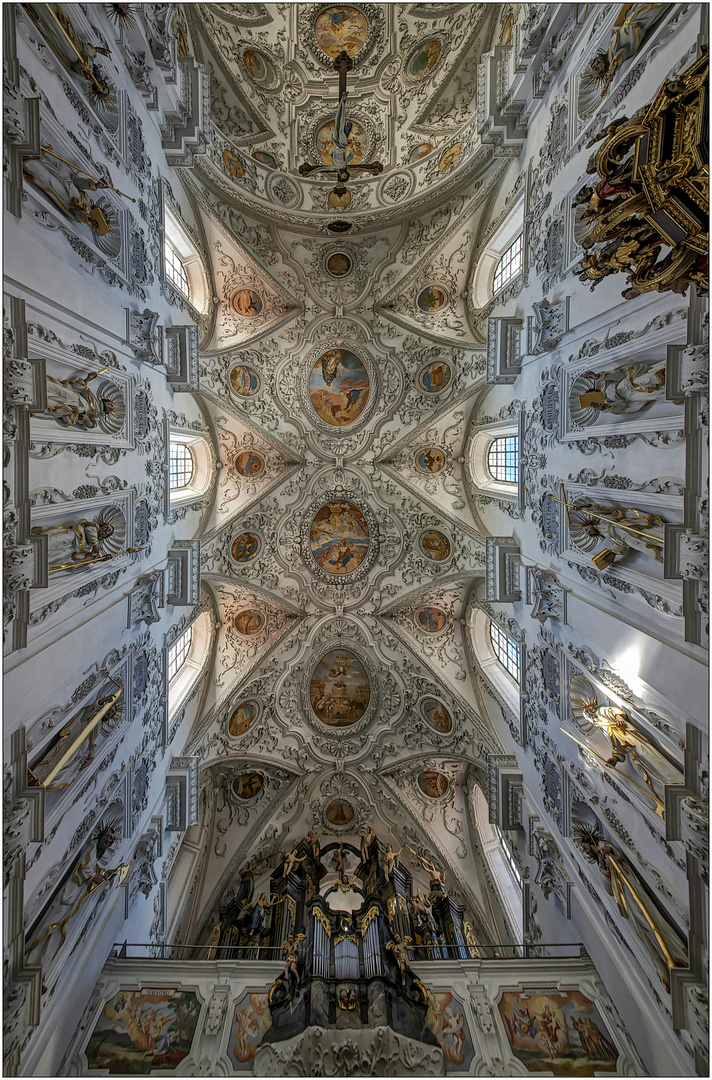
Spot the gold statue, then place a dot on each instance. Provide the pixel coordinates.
(628, 744)
(389, 860)
(400, 955)
(586, 529)
(655, 929)
(72, 402)
(634, 22)
(68, 185)
(625, 389)
(103, 709)
(75, 54)
(69, 898)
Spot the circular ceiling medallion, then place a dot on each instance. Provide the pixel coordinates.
(339, 813)
(450, 157)
(265, 159)
(339, 198)
(245, 547)
(430, 460)
(430, 619)
(244, 380)
(338, 264)
(339, 537)
(356, 142)
(420, 151)
(436, 714)
(247, 785)
(433, 784)
(249, 464)
(260, 68)
(243, 717)
(341, 29)
(338, 387)
(247, 303)
(432, 298)
(434, 377)
(435, 545)
(233, 164)
(340, 689)
(250, 621)
(424, 59)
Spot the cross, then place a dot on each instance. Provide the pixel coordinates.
(343, 64)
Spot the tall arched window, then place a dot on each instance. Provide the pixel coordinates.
(501, 862)
(181, 466)
(506, 650)
(178, 653)
(503, 459)
(510, 264)
(175, 271)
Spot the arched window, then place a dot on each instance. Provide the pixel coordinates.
(185, 660)
(510, 264)
(175, 271)
(509, 857)
(181, 466)
(178, 653)
(503, 459)
(506, 650)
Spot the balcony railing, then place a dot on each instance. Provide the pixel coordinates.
(430, 953)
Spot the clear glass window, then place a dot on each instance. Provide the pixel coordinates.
(510, 264)
(178, 653)
(506, 650)
(181, 466)
(503, 459)
(175, 271)
(509, 857)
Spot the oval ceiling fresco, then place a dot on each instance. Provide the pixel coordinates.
(247, 785)
(249, 464)
(245, 547)
(436, 714)
(435, 545)
(339, 690)
(260, 68)
(430, 460)
(424, 59)
(434, 377)
(430, 619)
(233, 164)
(339, 537)
(247, 303)
(244, 380)
(265, 158)
(356, 142)
(248, 622)
(243, 717)
(432, 298)
(450, 157)
(420, 151)
(338, 264)
(341, 29)
(338, 387)
(339, 812)
(433, 784)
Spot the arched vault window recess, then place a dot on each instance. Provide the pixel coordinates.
(506, 650)
(509, 265)
(502, 260)
(183, 266)
(503, 459)
(498, 853)
(189, 467)
(185, 660)
(499, 655)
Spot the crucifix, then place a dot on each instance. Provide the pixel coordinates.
(342, 129)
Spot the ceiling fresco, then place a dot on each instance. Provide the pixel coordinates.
(338, 377)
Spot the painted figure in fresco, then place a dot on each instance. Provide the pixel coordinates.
(625, 389)
(631, 26)
(453, 1024)
(634, 902)
(626, 529)
(389, 861)
(593, 1042)
(76, 544)
(248, 1029)
(553, 1032)
(313, 841)
(290, 861)
(436, 376)
(653, 771)
(71, 402)
(400, 955)
(368, 835)
(425, 59)
(83, 883)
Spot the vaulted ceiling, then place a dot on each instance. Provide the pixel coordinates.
(339, 376)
